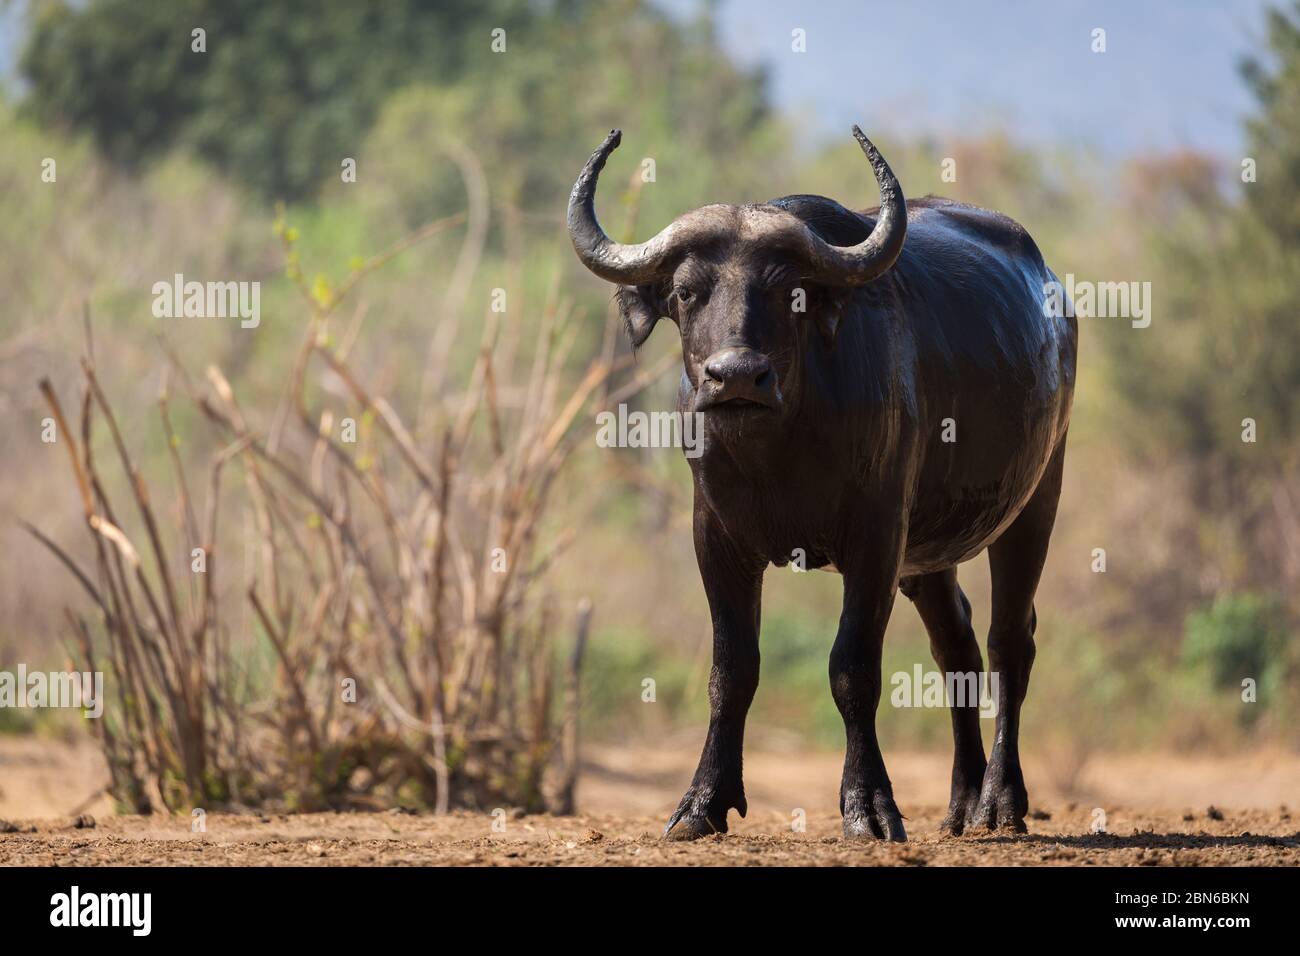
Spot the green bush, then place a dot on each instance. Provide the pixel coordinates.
(1238, 636)
(616, 665)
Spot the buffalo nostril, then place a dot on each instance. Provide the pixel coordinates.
(740, 373)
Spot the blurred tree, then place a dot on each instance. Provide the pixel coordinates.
(534, 118)
(1275, 132)
(283, 92)
(286, 91)
(1216, 378)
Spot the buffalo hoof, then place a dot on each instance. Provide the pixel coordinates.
(1000, 819)
(701, 814)
(962, 811)
(1004, 802)
(692, 828)
(872, 817)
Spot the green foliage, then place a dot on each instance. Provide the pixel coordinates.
(616, 664)
(1274, 77)
(794, 691)
(16, 721)
(282, 93)
(1228, 292)
(1239, 636)
(532, 124)
(285, 91)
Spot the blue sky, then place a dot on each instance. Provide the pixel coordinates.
(1168, 78)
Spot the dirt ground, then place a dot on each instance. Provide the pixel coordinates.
(1158, 810)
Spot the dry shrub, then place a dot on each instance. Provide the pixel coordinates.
(401, 593)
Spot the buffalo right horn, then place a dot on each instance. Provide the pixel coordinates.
(627, 265)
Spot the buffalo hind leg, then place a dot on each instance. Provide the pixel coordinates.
(866, 796)
(733, 585)
(946, 614)
(1015, 563)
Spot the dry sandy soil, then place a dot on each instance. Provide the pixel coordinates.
(1159, 810)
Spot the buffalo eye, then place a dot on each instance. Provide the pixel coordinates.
(685, 299)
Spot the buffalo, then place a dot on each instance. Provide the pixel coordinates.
(884, 394)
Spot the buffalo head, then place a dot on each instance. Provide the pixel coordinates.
(740, 282)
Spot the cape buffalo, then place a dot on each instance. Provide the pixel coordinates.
(888, 391)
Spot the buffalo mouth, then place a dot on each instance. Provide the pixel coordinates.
(716, 397)
(736, 405)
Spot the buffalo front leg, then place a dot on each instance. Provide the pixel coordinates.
(946, 614)
(733, 584)
(866, 796)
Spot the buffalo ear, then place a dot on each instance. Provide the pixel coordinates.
(828, 323)
(641, 307)
(829, 313)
